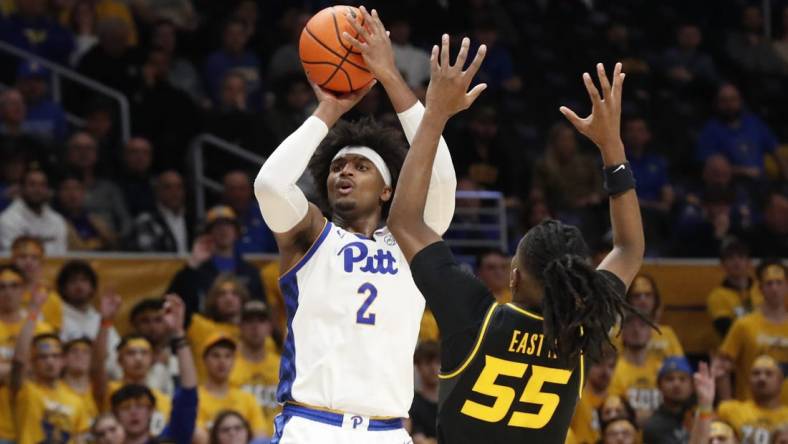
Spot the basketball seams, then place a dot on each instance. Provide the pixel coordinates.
(331, 50)
(339, 35)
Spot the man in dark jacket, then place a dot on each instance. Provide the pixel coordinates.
(215, 253)
(670, 424)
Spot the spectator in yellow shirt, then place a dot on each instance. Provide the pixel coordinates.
(44, 410)
(764, 331)
(644, 295)
(737, 295)
(635, 376)
(216, 394)
(757, 418)
(27, 253)
(585, 423)
(256, 369)
(76, 373)
(135, 357)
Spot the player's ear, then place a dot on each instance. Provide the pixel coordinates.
(386, 194)
(514, 279)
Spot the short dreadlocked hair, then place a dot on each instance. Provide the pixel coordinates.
(580, 305)
(388, 142)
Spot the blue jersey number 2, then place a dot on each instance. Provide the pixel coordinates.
(362, 317)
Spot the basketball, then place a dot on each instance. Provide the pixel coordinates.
(329, 60)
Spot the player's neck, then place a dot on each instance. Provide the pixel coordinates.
(252, 354)
(363, 225)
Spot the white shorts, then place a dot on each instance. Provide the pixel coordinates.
(354, 429)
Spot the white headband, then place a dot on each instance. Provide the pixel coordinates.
(369, 154)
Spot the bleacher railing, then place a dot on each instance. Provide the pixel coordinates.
(479, 221)
(58, 71)
(202, 183)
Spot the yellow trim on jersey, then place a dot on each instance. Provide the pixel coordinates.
(478, 344)
(582, 376)
(525, 312)
(306, 253)
(338, 412)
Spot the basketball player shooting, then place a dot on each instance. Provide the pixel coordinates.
(514, 372)
(353, 310)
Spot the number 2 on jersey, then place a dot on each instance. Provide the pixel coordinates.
(504, 396)
(362, 317)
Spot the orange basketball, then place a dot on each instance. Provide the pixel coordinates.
(329, 60)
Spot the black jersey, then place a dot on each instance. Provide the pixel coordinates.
(499, 383)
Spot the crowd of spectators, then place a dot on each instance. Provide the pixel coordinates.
(703, 124)
(704, 130)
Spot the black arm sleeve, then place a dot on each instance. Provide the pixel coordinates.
(458, 300)
(618, 285)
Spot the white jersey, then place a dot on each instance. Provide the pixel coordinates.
(353, 322)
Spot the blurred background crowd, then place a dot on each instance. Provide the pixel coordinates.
(706, 86)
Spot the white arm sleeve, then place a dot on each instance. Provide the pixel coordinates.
(439, 208)
(282, 203)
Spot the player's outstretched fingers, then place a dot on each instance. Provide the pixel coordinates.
(616, 88)
(361, 46)
(572, 117)
(376, 23)
(462, 55)
(477, 61)
(360, 29)
(474, 94)
(593, 93)
(434, 60)
(603, 81)
(445, 52)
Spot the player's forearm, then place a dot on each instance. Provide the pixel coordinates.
(282, 204)
(400, 94)
(407, 209)
(439, 207)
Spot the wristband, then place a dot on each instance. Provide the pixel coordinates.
(618, 179)
(178, 343)
(106, 323)
(32, 315)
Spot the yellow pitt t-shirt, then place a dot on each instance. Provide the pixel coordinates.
(638, 384)
(161, 414)
(235, 399)
(755, 425)
(51, 311)
(200, 329)
(8, 334)
(752, 336)
(51, 415)
(91, 409)
(260, 379)
(585, 422)
(727, 302)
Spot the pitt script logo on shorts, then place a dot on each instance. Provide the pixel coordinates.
(381, 261)
(356, 420)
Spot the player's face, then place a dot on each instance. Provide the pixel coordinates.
(600, 375)
(736, 266)
(254, 331)
(676, 387)
(620, 432)
(355, 186)
(108, 431)
(765, 382)
(150, 324)
(219, 363)
(232, 431)
(77, 358)
(134, 415)
(135, 361)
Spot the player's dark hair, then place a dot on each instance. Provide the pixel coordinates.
(224, 414)
(580, 305)
(766, 263)
(385, 141)
(132, 391)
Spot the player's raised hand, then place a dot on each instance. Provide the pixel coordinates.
(332, 106)
(174, 313)
(373, 43)
(704, 385)
(447, 93)
(603, 125)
